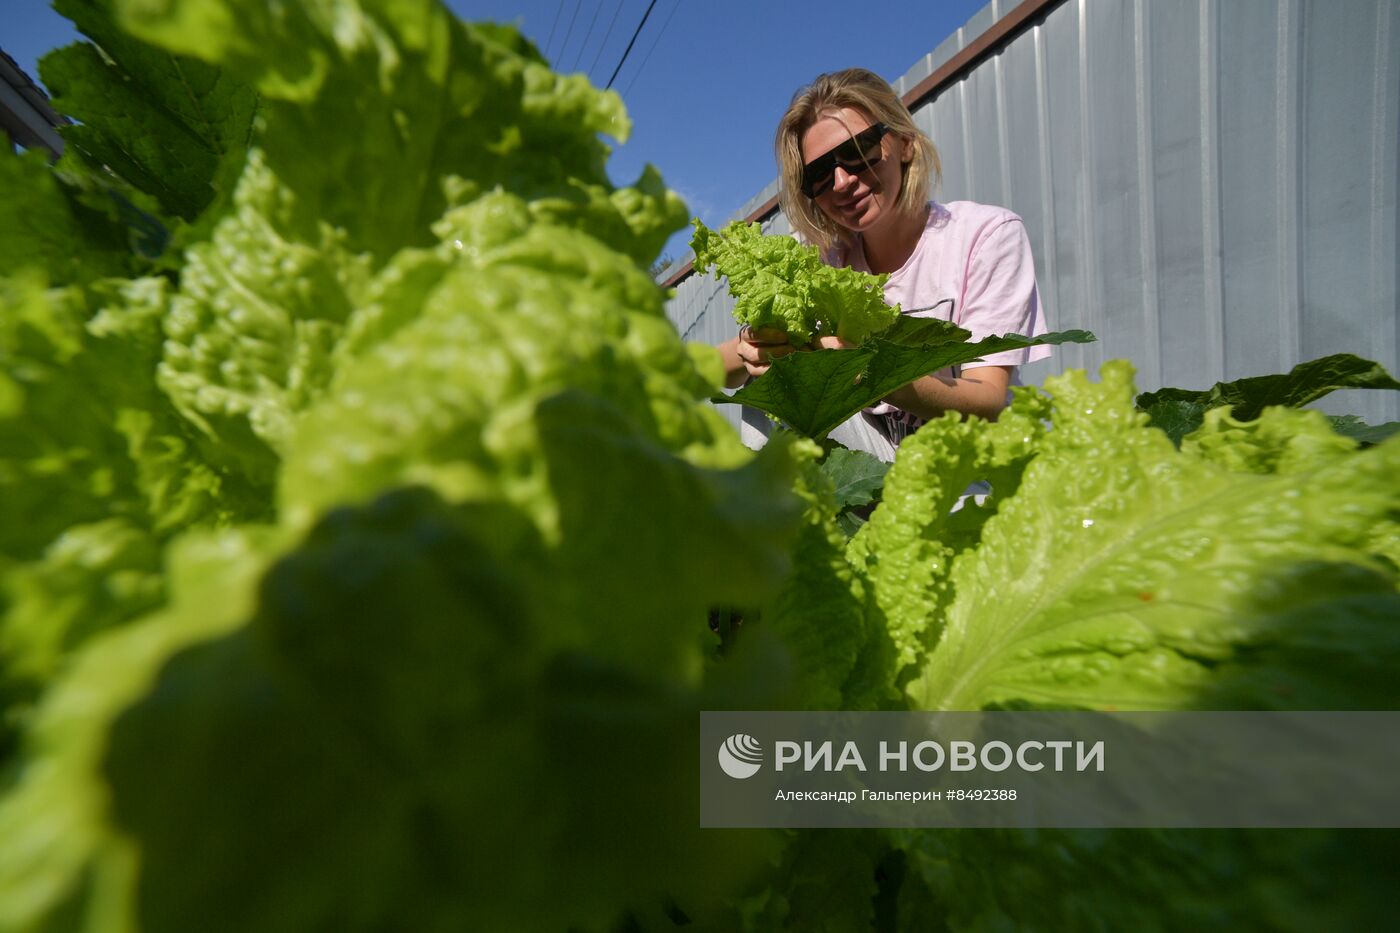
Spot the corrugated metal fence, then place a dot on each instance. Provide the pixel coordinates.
(1209, 185)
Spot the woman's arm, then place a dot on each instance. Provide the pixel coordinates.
(980, 392)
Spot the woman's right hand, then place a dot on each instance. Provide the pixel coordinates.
(758, 348)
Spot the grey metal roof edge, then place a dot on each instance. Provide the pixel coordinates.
(34, 95)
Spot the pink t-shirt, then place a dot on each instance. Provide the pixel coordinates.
(972, 266)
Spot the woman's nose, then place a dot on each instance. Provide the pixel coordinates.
(842, 179)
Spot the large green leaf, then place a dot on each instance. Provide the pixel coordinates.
(1363, 433)
(452, 356)
(97, 472)
(814, 392)
(1179, 411)
(425, 280)
(170, 126)
(856, 476)
(85, 433)
(728, 544)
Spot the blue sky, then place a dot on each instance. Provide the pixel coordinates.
(705, 82)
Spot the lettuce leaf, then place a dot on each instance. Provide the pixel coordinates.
(399, 103)
(1127, 575)
(1150, 880)
(904, 553)
(783, 284)
(85, 432)
(62, 851)
(801, 895)
(374, 704)
(818, 613)
(250, 333)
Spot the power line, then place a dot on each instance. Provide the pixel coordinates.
(588, 35)
(646, 58)
(606, 36)
(628, 51)
(570, 31)
(550, 41)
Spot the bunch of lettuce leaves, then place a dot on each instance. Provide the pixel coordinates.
(360, 514)
(780, 283)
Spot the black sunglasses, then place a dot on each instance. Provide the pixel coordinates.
(860, 152)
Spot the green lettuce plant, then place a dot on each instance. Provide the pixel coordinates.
(314, 498)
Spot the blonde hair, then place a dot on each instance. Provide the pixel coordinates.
(867, 92)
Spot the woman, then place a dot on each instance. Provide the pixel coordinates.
(856, 173)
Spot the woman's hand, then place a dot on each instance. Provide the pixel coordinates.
(752, 352)
(830, 342)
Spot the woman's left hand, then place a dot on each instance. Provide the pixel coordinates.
(830, 342)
